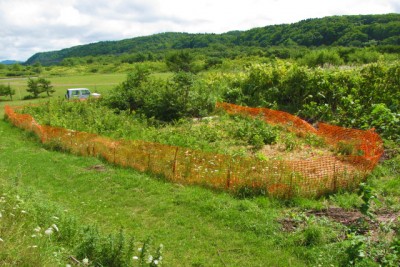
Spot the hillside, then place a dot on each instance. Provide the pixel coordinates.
(354, 30)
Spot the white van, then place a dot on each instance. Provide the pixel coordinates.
(80, 93)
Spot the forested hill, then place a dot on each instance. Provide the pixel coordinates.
(355, 30)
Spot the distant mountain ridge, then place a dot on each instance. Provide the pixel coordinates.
(9, 62)
(352, 30)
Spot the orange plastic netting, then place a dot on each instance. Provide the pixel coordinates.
(277, 178)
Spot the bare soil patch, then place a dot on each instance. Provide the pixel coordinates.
(349, 218)
(99, 168)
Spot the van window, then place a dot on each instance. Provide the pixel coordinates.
(85, 92)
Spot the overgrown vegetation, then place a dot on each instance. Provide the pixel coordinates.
(362, 97)
(220, 133)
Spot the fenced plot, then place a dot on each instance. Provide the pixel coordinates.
(277, 178)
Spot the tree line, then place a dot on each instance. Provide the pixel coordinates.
(348, 31)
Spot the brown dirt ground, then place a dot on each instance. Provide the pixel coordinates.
(346, 218)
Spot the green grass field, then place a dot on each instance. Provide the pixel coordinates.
(100, 83)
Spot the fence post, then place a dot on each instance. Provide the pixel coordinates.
(148, 161)
(334, 178)
(174, 165)
(113, 145)
(228, 178)
(291, 190)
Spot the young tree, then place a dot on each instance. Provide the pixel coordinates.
(38, 86)
(45, 86)
(6, 91)
(33, 88)
(129, 94)
(180, 61)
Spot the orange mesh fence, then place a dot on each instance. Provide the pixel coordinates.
(277, 178)
(367, 144)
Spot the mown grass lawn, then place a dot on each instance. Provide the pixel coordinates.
(198, 227)
(100, 83)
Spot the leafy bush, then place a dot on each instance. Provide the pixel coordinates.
(183, 96)
(384, 121)
(254, 131)
(321, 58)
(362, 97)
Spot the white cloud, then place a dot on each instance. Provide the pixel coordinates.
(30, 26)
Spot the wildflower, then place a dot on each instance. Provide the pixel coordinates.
(85, 261)
(135, 257)
(49, 231)
(1, 240)
(55, 227)
(139, 249)
(150, 259)
(24, 211)
(68, 265)
(156, 262)
(37, 229)
(33, 236)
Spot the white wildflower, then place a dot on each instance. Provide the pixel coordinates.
(24, 211)
(156, 262)
(49, 231)
(33, 236)
(1, 240)
(85, 261)
(68, 265)
(34, 246)
(37, 229)
(55, 227)
(150, 259)
(135, 257)
(139, 249)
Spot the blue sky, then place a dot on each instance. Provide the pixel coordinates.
(30, 26)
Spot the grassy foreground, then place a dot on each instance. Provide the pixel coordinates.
(197, 227)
